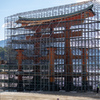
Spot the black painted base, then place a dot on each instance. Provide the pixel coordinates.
(20, 86)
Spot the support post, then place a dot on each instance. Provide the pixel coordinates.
(84, 69)
(20, 58)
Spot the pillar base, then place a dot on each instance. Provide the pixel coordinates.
(20, 86)
(69, 86)
(86, 86)
(54, 87)
(51, 87)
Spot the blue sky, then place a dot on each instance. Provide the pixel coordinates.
(10, 7)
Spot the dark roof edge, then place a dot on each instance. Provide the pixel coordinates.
(59, 16)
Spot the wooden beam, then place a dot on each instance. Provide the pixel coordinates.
(58, 35)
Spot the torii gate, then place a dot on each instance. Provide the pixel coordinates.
(68, 20)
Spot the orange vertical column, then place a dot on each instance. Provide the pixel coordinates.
(37, 45)
(51, 59)
(36, 67)
(19, 58)
(37, 50)
(84, 68)
(68, 61)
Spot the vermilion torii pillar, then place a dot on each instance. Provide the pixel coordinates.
(20, 58)
(84, 68)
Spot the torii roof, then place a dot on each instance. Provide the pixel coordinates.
(59, 16)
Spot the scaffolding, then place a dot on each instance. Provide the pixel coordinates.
(54, 49)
